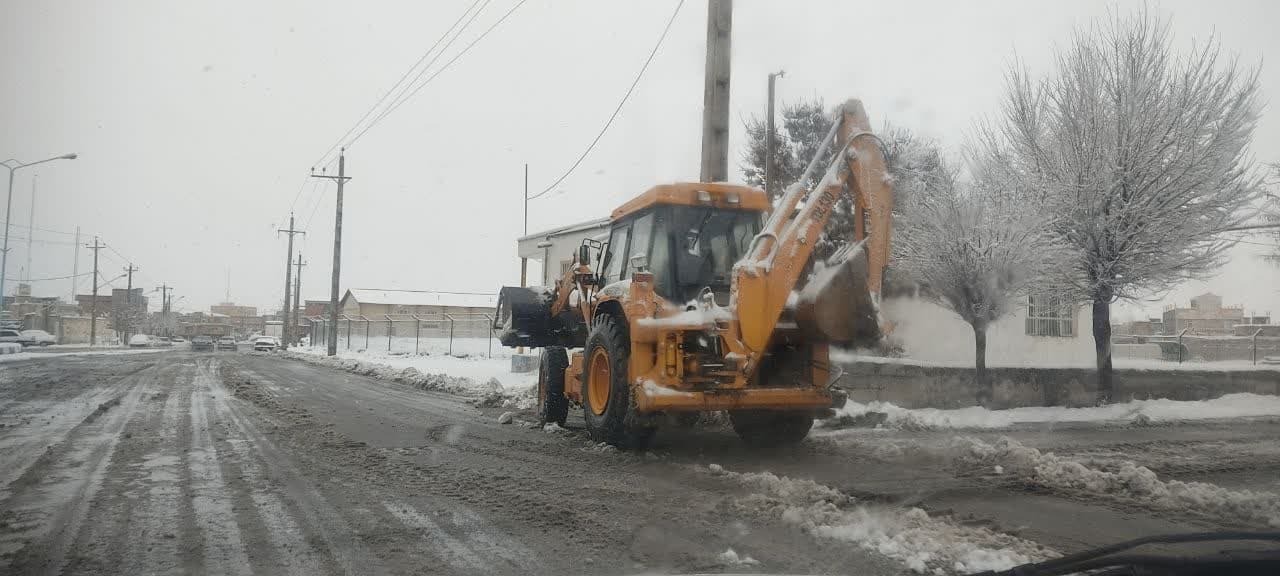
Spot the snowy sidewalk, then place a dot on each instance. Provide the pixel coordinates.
(468, 375)
(1136, 411)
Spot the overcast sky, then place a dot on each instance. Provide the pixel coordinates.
(196, 125)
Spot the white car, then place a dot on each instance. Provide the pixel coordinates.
(140, 341)
(264, 344)
(38, 338)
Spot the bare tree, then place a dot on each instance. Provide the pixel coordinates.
(1271, 213)
(1142, 155)
(975, 249)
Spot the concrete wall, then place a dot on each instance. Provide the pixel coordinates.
(930, 333)
(75, 330)
(913, 386)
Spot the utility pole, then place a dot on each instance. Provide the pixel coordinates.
(93, 304)
(31, 222)
(297, 293)
(715, 96)
(770, 142)
(75, 265)
(165, 289)
(524, 262)
(288, 283)
(341, 178)
(128, 302)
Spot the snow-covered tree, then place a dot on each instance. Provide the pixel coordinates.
(1271, 213)
(914, 162)
(1141, 153)
(974, 248)
(799, 133)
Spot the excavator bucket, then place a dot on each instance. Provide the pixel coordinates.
(837, 304)
(523, 317)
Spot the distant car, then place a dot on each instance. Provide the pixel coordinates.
(38, 338)
(7, 335)
(201, 343)
(177, 339)
(227, 343)
(264, 344)
(163, 341)
(140, 341)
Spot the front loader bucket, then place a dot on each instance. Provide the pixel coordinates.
(523, 317)
(837, 305)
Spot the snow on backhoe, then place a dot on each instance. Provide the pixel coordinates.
(692, 303)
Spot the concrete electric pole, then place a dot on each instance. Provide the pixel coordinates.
(93, 304)
(75, 265)
(715, 96)
(297, 293)
(770, 142)
(288, 284)
(331, 336)
(128, 302)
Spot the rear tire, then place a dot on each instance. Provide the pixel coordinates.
(609, 408)
(769, 428)
(552, 405)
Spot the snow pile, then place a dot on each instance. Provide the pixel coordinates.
(1130, 482)
(1135, 411)
(491, 390)
(467, 375)
(907, 535)
(731, 558)
(20, 355)
(10, 347)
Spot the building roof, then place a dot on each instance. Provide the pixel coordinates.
(421, 298)
(570, 229)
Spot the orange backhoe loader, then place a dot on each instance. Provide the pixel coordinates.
(694, 307)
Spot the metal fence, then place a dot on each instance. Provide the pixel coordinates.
(452, 334)
(1180, 348)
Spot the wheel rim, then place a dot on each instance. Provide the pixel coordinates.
(598, 381)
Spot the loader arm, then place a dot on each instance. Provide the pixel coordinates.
(765, 278)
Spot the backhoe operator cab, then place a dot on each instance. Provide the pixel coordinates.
(688, 307)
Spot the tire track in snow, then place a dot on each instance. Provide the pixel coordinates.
(341, 542)
(50, 501)
(292, 551)
(223, 548)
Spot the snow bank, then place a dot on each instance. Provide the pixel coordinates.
(1031, 361)
(1142, 411)
(10, 348)
(7, 357)
(489, 378)
(1130, 483)
(908, 535)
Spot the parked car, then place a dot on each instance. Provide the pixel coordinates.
(178, 339)
(264, 344)
(38, 338)
(7, 335)
(227, 343)
(163, 341)
(140, 341)
(201, 343)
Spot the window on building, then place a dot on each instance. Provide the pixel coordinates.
(564, 269)
(1050, 316)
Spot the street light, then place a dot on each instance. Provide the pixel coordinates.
(14, 165)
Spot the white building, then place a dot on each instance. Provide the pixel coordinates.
(1038, 333)
(554, 249)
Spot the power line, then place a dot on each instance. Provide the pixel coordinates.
(401, 81)
(614, 116)
(39, 229)
(319, 198)
(67, 277)
(446, 65)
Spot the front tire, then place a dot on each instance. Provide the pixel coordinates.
(607, 404)
(552, 405)
(771, 428)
